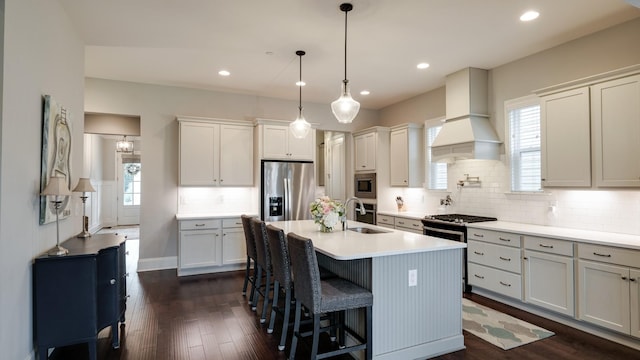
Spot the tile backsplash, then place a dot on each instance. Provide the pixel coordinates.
(592, 209)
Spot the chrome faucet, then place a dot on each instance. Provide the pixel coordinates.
(345, 226)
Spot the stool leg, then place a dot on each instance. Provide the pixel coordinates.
(285, 321)
(265, 303)
(316, 336)
(256, 288)
(296, 331)
(274, 306)
(247, 273)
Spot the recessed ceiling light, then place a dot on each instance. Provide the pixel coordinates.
(224, 73)
(300, 83)
(422, 66)
(364, 92)
(529, 15)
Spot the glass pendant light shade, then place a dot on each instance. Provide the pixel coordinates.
(345, 108)
(300, 127)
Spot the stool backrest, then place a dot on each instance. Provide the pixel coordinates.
(263, 257)
(279, 256)
(306, 274)
(248, 236)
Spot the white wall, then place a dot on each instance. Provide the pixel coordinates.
(158, 107)
(42, 55)
(605, 210)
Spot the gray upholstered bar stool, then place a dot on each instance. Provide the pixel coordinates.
(263, 262)
(282, 280)
(325, 296)
(249, 275)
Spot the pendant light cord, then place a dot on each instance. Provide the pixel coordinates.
(345, 45)
(300, 53)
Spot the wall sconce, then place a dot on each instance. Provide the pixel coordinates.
(84, 186)
(57, 187)
(124, 146)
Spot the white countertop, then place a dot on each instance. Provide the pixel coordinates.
(349, 245)
(404, 214)
(200, 216)
(585, 236)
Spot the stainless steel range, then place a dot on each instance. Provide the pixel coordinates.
(453, 227)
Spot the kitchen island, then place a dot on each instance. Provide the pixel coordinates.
(415, 281)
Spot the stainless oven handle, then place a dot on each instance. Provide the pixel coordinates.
(452, 232)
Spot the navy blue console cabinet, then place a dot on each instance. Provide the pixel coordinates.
(77, 295)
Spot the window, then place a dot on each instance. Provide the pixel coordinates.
(436, 172)
(523, 119)
(131, 184)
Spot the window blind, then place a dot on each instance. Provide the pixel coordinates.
(524, 129)
(437, 173)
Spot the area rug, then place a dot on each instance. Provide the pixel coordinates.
(501, 330)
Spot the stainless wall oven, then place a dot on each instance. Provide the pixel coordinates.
(370, 214)
(453, 227)
(365, 186)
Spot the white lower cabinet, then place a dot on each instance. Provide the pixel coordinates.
(385, 221)
(210, 245)
(400, 223)
(548, 274)
(608, 287)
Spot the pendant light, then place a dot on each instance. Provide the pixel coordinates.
(345, 108)
(300, 127)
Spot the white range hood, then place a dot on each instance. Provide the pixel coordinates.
(467, 132)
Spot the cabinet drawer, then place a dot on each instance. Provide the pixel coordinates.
(502, 282)
(385, 220)
(411, 224)
(496, 237)
(551, 246)
(500, 257)
(199, 224)
(232, 223)
(609, 254)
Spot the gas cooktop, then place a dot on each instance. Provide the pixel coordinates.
(458, 218)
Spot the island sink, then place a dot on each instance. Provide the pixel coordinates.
(366, 230)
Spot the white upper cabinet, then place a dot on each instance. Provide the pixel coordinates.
(615, 116)
(278, 143)
(365, 154)
(215, 153)
(406, 149)
(566, 139)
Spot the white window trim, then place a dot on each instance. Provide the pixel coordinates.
(525, 101)
(439, 121)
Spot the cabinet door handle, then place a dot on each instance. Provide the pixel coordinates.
(478, 235)
(624, 278)
(199, 225)
(478, 276)
(603, 255)
(401, 222)
(505, 259)
(112, 281)
(632, 279)
(504, 239)
(546, 246)
(478, 253)
(221, 180)
(415, 225)
(505, 284)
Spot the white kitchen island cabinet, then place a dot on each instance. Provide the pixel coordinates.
(215, 152)
(414, 317)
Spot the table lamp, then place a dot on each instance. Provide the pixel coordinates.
(84, 186)
(57, 187)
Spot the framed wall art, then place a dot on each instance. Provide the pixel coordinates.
(56, 155)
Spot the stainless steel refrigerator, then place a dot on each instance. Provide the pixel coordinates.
(288, 188)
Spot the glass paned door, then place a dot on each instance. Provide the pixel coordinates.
(130, 189)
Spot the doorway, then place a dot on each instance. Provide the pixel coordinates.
(129, 184)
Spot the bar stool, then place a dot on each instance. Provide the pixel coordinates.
(325, 296)
(263, 262)
(251, 257)
(282, 280)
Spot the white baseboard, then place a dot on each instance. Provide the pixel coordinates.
(153, 264)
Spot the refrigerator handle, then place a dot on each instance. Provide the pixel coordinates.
(287, 211)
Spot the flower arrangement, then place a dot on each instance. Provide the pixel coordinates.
(326, 212)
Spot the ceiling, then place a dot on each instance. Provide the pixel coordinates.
(186, 42)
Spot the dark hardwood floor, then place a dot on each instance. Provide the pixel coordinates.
(206, 317)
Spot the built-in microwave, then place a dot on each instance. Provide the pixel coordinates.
(365, 186)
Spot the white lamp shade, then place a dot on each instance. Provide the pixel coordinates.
(345, 108)
(84, 185)
(300, 127)
(57, 186)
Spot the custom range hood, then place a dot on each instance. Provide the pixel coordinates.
(467, 132)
